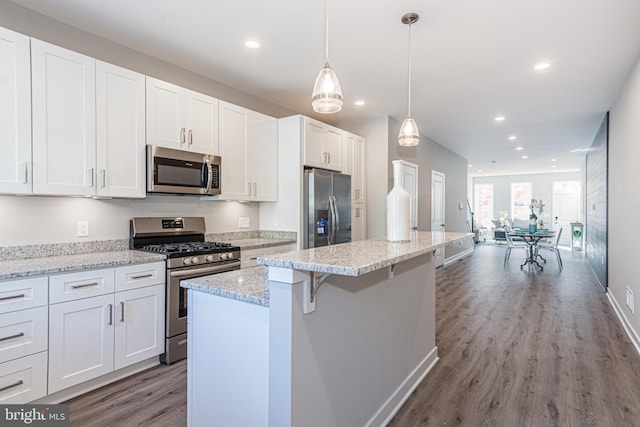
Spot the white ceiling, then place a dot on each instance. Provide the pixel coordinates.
(472, 60)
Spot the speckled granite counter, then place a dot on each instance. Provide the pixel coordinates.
(260, 242)
(13, 269)
(365, 256)
(248, 285)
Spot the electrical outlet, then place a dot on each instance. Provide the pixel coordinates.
(83, 229)
(244, 222)
(630, 301)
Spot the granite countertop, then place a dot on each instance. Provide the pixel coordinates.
(364, 256)
(248, 285)
(260, 242)
(18, 268)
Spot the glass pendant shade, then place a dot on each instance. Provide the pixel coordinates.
(409, 135)
(327, 93)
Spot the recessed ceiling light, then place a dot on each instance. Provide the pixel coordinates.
(470, 166)
(554, 160)
(525, 157)
(359, 103)
(512, 137)
(252, 44)
(541, 66)
(499, 119)
(519, 148)
(479, 170)
(553, 166)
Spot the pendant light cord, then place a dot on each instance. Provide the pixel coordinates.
(326, 31)
(409, 79)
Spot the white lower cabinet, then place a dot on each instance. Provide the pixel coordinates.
(23, 380)
(81, 341)
(358, 222)
(94, 335)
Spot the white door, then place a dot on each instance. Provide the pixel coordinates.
(410, 178)
(15, 113)
(437, 209)
(201, 123)
(233, 151)
(139, 325)
(166, 110)
(566, 208)
(313, 150)
(262, 157)
(332, 144)
(80, 341)
(120, 123)
(64, 117)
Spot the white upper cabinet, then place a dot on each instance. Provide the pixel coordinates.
(180, 118)
(120, 108)
(358, 178)
(64, 130)
(248, 148)
(15, 113)
(322, 145)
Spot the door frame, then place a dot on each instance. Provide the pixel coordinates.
(439, 253)
(413, 193)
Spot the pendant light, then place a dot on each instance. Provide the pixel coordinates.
(327, 94)
(409, 135)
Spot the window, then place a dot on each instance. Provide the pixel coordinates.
(483, 204)
(520, 200)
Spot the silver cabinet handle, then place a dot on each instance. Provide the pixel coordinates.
(190, 137)
(12, 297)
(26, 173)
(110, 322)
(85, 285)
(255, 189)
(91, 178)
(249, 188)
(11, 385)
(10, 337)
(144, 276)
(182, 135)
(357, 212)
(329, 156)
(103, 178)
(122, 311)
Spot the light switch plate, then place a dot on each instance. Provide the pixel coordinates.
(244, 222)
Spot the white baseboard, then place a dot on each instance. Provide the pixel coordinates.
(633, 335)
(383, 416)
(458, 256)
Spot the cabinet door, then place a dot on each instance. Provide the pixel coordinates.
(120, 99)
(23, 380)
(202, 123)
(333, 149)
(348, 141)
(233, 150)
(23, 333)
(80, 341)
(139, 320)
(165, 114)
(15, 113)
(314, 154)
(262, 157)
(358, 179)
(358, 222)
(64, 130)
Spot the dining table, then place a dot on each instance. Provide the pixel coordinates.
(531, 239)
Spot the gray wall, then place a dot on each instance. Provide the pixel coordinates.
(596, 203)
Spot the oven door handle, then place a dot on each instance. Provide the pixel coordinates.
(200, 271)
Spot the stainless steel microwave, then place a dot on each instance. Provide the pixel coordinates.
(172, 171)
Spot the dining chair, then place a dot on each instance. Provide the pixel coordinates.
(512, 245)
(552, 247)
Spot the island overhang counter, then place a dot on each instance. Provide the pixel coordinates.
(339, 336)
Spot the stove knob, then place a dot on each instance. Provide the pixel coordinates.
(194, 260)
(223, 256)
(230, 255)
(209, 258)
(186, 261)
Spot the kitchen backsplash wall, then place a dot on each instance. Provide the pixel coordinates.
(32, 220)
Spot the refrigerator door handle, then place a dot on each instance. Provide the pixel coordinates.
(337, 217)
(332, 222)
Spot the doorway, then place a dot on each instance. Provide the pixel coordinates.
(437, 210)
(567, 196)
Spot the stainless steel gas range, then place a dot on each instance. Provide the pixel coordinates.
(188, 256)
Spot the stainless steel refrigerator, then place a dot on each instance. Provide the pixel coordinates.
(327, 208)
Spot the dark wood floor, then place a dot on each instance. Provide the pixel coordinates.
(517, 348)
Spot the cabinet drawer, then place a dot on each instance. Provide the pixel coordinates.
(140, 275)
(84, 284)
(23, 380)
(23, 333)
(23, 293)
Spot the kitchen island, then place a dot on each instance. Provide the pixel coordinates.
(332, 336)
